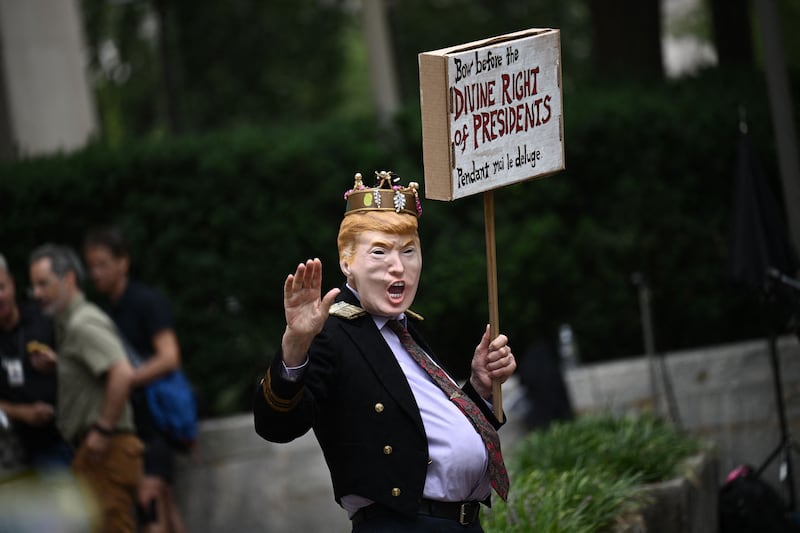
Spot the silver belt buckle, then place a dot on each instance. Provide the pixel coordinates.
(463, 519)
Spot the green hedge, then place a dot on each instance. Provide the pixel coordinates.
(218, 220)
(215, 221)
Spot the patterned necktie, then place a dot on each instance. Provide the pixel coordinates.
(497, 468)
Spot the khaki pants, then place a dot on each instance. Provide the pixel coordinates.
(113, 481)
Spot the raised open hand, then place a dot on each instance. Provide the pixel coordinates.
(306, 310)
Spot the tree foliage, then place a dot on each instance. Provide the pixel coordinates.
(177, 65)
(164, 66)
(419, 26)
(270, 61)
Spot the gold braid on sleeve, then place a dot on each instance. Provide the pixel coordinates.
(278, 404)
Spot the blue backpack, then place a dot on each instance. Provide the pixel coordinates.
(171, 402)
(174, 410)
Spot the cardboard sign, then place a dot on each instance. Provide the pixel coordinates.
(491, 113)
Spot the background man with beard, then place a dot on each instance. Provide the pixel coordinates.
(94, 381)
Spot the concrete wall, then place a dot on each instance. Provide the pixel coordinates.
(236, 481)
(687, 504)
(47, 102)
(724, 393)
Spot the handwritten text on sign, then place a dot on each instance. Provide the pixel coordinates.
(505, 113)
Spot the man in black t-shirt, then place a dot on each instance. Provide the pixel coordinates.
(28, 378)
(145, 320)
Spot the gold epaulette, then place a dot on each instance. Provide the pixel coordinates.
(415, 316)
(350, 311)
(346, 310)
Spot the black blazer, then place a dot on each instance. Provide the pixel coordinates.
(357, 400)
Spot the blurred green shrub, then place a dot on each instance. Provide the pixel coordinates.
(645, 446)
(585, 475)
(216, 221)
(570, 501)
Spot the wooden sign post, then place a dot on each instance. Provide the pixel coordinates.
(491, 116)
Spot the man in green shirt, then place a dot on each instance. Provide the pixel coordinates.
(94, 382)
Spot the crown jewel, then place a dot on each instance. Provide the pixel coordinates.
(384, 196)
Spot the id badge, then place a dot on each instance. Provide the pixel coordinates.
(16, 374)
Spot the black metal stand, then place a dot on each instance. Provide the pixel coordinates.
(784, 448)
(787, 443)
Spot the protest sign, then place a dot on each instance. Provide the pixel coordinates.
(491, 116)
(491, 113)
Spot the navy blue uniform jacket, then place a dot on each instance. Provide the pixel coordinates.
(357, 399)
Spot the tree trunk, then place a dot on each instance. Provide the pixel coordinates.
(385, 91)
(626, 39)
(732, 34)
(782, 108)
(168, 81)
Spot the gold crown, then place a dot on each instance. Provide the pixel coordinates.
(384, 196)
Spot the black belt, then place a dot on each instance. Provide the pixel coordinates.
(465, 513)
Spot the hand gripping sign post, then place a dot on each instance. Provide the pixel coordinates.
(491, 117)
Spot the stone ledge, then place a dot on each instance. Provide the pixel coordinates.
(687, 504)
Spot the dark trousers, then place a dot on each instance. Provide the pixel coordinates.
(392, 523)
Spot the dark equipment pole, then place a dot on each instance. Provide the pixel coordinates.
(775, 278)
(760, 253)
(786, 473)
